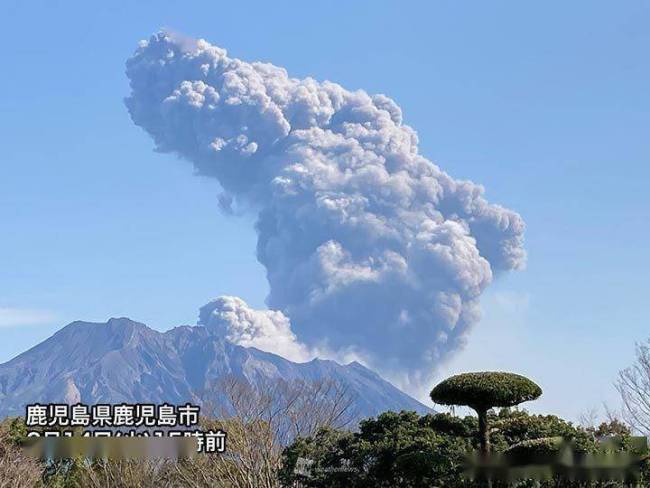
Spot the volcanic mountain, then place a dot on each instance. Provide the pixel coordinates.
(126, 361)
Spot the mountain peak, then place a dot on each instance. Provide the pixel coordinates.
(123, 321)
(122, 360)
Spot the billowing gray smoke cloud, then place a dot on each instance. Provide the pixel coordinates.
(368, 246)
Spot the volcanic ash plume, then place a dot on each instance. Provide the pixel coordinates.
(368, 246)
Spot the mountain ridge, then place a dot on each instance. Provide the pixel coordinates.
(122, 360)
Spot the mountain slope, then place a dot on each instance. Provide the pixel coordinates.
(125, 361)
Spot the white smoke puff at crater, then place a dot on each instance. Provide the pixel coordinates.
(368, 246)
(268, 330)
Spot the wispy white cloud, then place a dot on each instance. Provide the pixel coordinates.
(15, 317)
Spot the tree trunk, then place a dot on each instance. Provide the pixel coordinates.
(483, 431)
(484, 437)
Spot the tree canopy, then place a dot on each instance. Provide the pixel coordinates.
(484, 390)
(410, 451)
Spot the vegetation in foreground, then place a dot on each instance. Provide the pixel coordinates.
(295, 436)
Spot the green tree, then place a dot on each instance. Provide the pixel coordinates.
(483, 391)
(405, 450)
(392, 450)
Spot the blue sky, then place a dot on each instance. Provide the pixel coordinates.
(546, 105)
